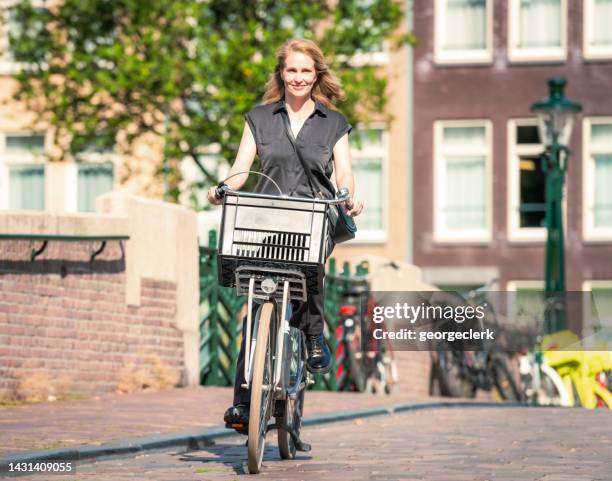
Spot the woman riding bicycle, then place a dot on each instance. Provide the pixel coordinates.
(303, 88)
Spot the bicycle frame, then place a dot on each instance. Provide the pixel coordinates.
(282, 328)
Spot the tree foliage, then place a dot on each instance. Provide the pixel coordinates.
(186, 70)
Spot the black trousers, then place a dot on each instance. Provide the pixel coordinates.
(308, 316)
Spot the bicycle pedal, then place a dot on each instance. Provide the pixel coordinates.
(241, 428)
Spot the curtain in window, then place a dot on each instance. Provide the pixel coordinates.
(27, 187)
(94, 180)
(603, 190)
(601, 139)
(602, 23)
(368, 184)
(540, 23)
(465, 178)
(466, 25)
(465, 192)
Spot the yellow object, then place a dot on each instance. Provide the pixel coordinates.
(578, 368)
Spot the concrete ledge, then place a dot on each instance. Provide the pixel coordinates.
(198, 438)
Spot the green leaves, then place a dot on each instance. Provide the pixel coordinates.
(187, 70)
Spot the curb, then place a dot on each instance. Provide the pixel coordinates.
(198, 438)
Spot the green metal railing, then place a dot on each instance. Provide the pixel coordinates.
(221, 313)
(46, 238)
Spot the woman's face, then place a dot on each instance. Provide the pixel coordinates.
(299, 74)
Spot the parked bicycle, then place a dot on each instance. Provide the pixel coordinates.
(367, 365)
(540, 383)
(272, 249)
(460, 371)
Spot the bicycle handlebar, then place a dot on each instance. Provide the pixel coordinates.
(341, 196)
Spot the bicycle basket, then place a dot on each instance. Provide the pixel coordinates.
(273, 233)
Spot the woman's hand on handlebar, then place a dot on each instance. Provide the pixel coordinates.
(353, 207)
(212, 196)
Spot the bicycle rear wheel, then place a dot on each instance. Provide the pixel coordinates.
(261, 391)
(293, 407)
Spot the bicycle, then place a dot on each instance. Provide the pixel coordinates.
(272, 249)
(579, 369)
(461, 372)
(370, 364)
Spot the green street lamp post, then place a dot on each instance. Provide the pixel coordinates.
(555, 121)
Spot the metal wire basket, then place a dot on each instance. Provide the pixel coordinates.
(272, 233)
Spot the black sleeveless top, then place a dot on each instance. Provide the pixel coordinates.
(316, 140)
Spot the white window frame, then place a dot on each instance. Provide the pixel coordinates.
(374, 236)
(587, 287)
(588, 51)
(471, 236)
(550, 54)
(516, 233)
(442, 57)
(590, 233)
(7, 161)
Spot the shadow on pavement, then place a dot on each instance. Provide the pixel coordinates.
(232, 455)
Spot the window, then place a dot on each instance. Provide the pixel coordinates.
(463, 31)
(538, 30)
(462, 206)
(597, 179)
(93, 179)
(526, 303)
(22, 171)
(27, 187)
(597, 309)
(94, 171)
(369, 153)
(597, 31)
(527, 182)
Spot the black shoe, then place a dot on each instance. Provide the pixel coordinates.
(319, 357)
(237, 417)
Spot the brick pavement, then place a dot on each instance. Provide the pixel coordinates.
(459, 444)
(115, 417)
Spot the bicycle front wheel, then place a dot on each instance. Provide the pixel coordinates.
(261, 391)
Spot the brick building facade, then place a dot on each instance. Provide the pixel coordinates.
(478, 186)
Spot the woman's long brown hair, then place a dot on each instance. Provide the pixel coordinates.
(327, 87)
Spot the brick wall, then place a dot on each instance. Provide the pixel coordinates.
(413, 369)
(67, 315)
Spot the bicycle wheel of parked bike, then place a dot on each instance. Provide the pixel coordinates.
(261, 391)
(452, 378)
(503, 381)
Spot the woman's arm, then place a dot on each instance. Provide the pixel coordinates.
(244, 161)
(344, 174)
